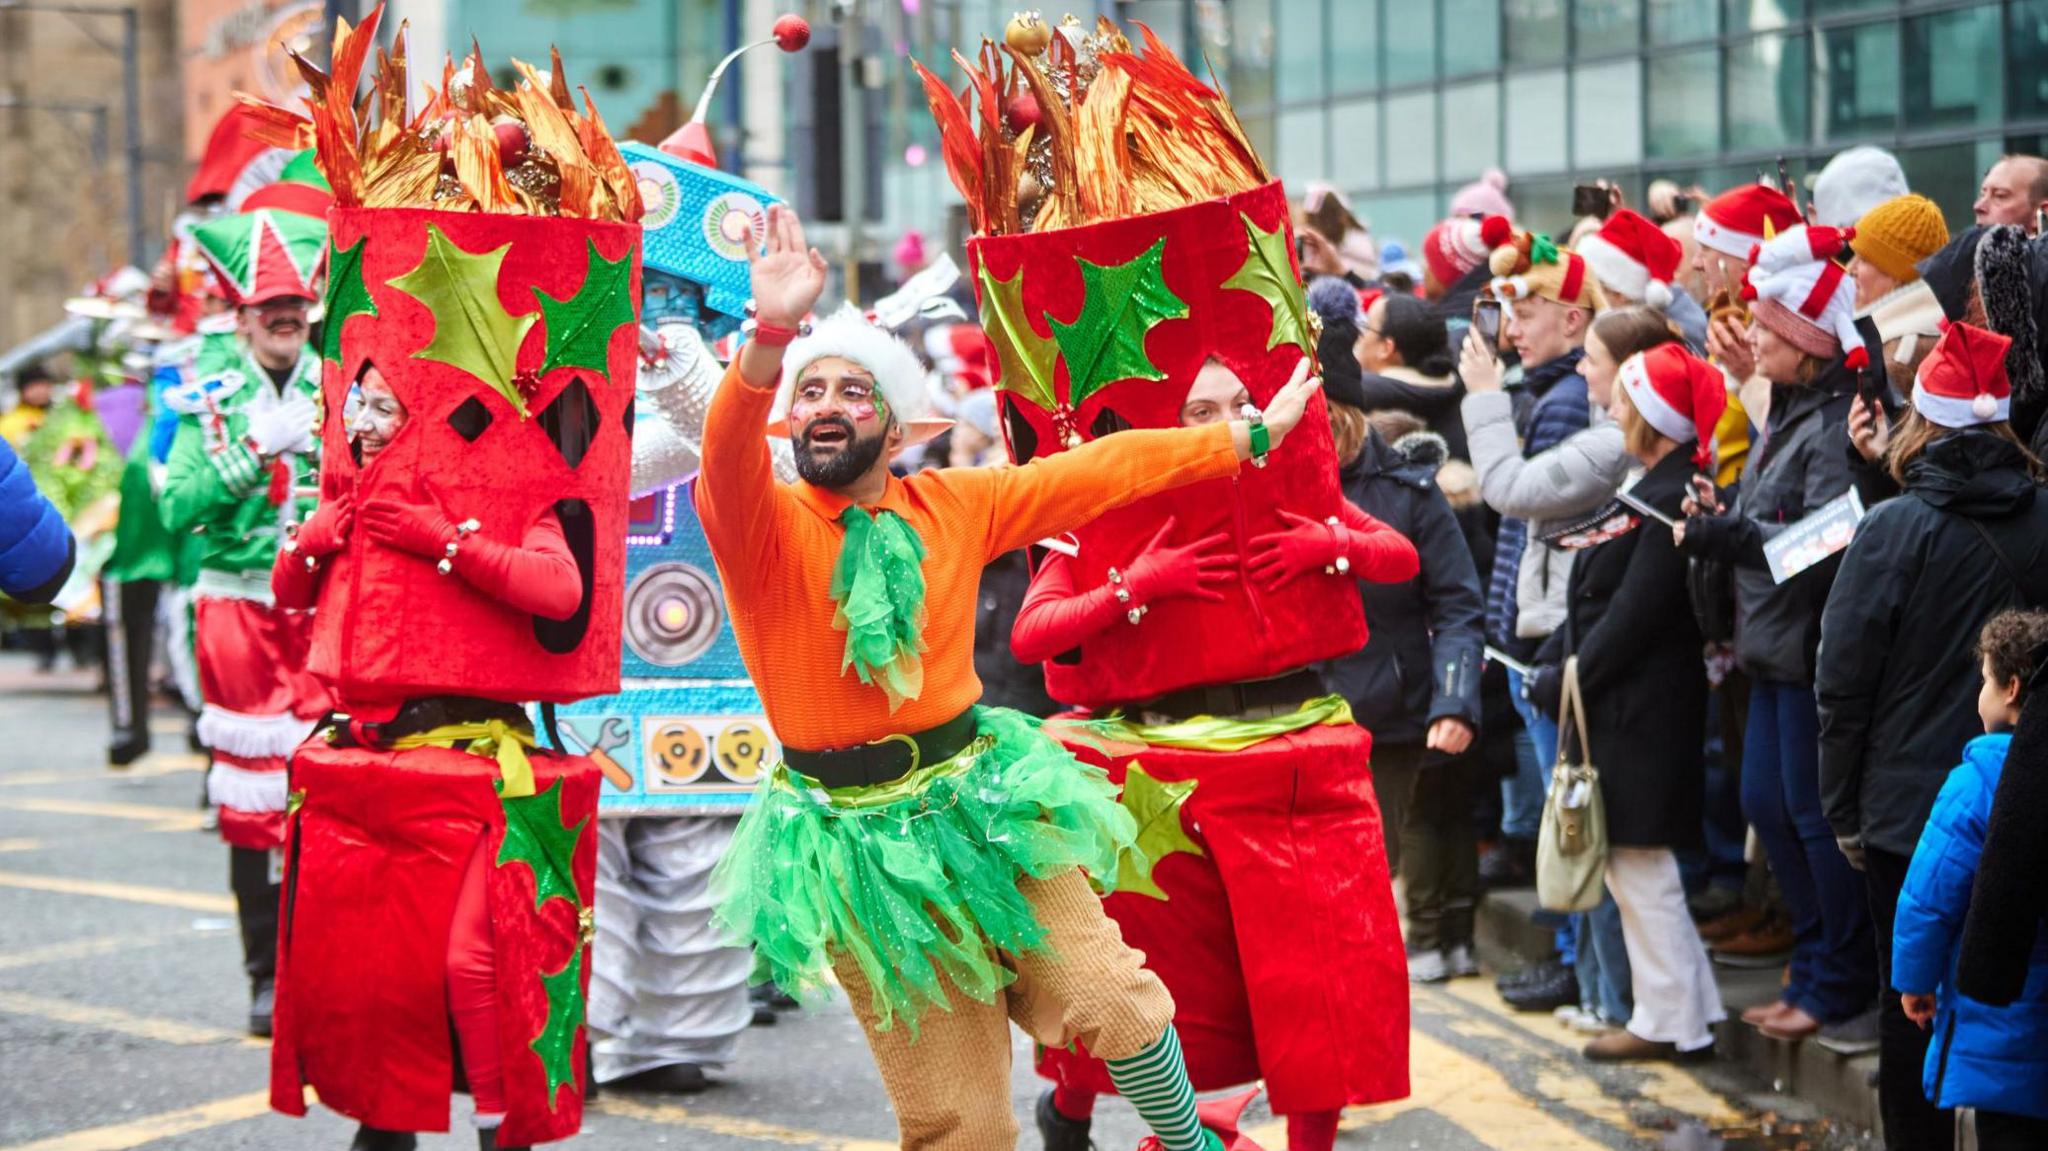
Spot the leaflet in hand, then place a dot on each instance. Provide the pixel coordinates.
(1814, 538)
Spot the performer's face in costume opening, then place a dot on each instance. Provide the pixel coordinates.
(840, 424)
(379, 418)
(276, 330)
(1216, 396)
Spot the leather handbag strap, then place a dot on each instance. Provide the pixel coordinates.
(1572, 710)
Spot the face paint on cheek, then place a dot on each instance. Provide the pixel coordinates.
(862, 413)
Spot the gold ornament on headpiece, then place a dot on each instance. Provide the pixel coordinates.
(1084, 129)
(474, 147)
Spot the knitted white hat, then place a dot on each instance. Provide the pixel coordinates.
(1853, 183)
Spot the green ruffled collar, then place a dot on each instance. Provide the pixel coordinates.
(878, 585)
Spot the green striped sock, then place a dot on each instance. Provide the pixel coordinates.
(1156, 1083)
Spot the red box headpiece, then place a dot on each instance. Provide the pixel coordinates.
(1131, 235)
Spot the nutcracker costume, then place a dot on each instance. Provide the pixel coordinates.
(466, 560)
(933, 854)
(243, 453)
(1135, 271)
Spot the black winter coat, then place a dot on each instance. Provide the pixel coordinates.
(1426, 650)
(1629, 620)
(1794, 468)
(1004, 681)
(1899, 669)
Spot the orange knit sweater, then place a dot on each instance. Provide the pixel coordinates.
(776, 545)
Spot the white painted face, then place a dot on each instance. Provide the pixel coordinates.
(1216, 396)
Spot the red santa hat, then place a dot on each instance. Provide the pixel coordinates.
(1804, 297)
(1633, 257)
(236, 161)
(1738, 220)
(1453, 248)
(1962, 382)
(1679, 394)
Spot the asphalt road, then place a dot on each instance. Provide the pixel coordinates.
(121, 1002)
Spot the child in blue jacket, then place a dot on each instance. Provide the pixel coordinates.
(36, 547)
(1994, 1059)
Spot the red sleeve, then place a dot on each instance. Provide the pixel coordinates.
(1378, 553)
(538, 576)
(293, 586)
(1056, 617)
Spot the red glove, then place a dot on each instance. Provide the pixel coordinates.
(423, 531)
(1193, 569)
(326, 530)
(1279, 558)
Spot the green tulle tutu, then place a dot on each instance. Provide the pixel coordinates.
(916, 879)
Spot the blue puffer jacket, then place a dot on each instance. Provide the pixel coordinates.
(1995, 1058)
(35, 544)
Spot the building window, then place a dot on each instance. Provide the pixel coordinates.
(1251, 53)
(1607, 114)
(1856, 81)
(1949, 174)
(1767, 93)
(1405, 216)
(2026, 74)
(1471, 36)
(1355, 144)
(1605, 27)
(1299, 72)
(1536, 122)
(1471, 129)
(1411, 139)
(1952, 73)
(1684, 104)
(1411, 42)
(1761, 15)
(1302, 154)
(1535, 31)
(1683, 21)
(1355, 46)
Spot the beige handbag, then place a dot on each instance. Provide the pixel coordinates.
(1571, 848)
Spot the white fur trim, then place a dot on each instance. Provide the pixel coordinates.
(1616, 270)
(245, 790)
(847, 334)
(1722, 238)
(252, 736)
(1957, 412)
(1651, 404)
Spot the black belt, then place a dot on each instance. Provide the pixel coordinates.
(885, 759)
(1237, 698)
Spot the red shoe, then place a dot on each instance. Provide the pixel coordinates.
(1220, 1119)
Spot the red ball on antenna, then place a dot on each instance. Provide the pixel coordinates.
(792, 32)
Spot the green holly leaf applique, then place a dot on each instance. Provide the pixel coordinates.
(534, 836)
(580, 327)
(1268, 274)
(1156, 806)
(1027, 358)
(472, 330)
(1120, 304)
(556, 1043)
(346, 296)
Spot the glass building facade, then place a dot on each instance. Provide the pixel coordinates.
(1400, 102)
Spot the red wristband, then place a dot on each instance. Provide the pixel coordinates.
(769, 335)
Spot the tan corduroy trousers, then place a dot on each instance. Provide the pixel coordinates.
(951, 1085)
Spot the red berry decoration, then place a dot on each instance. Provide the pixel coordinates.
(512, 140)
(1023, 111)
(792, 32)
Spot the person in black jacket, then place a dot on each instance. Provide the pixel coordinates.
(1405, 362)
(1803, 320)
(1898, 652)
(1629, 623)
(1415, 684)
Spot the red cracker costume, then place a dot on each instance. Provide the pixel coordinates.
(440, 870)
(1270, 915)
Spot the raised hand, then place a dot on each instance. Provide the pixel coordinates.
(1164, 571)
(787, 276)
(1305, 545)
(1287, 406)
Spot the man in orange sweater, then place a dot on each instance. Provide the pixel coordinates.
(931, 852)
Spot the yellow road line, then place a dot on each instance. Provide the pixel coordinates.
(130, 892)
(163, 817)
(20, 844)
(729, 1126)
(77, 949)
(1664, 1084)
(1474, 1096)
(151, 1128)
(155, 765)
(113, 1019)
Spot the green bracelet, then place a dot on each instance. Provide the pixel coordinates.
(1262, 443)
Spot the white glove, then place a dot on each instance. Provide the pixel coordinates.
(284, 427)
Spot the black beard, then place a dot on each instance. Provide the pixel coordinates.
(843, 467)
